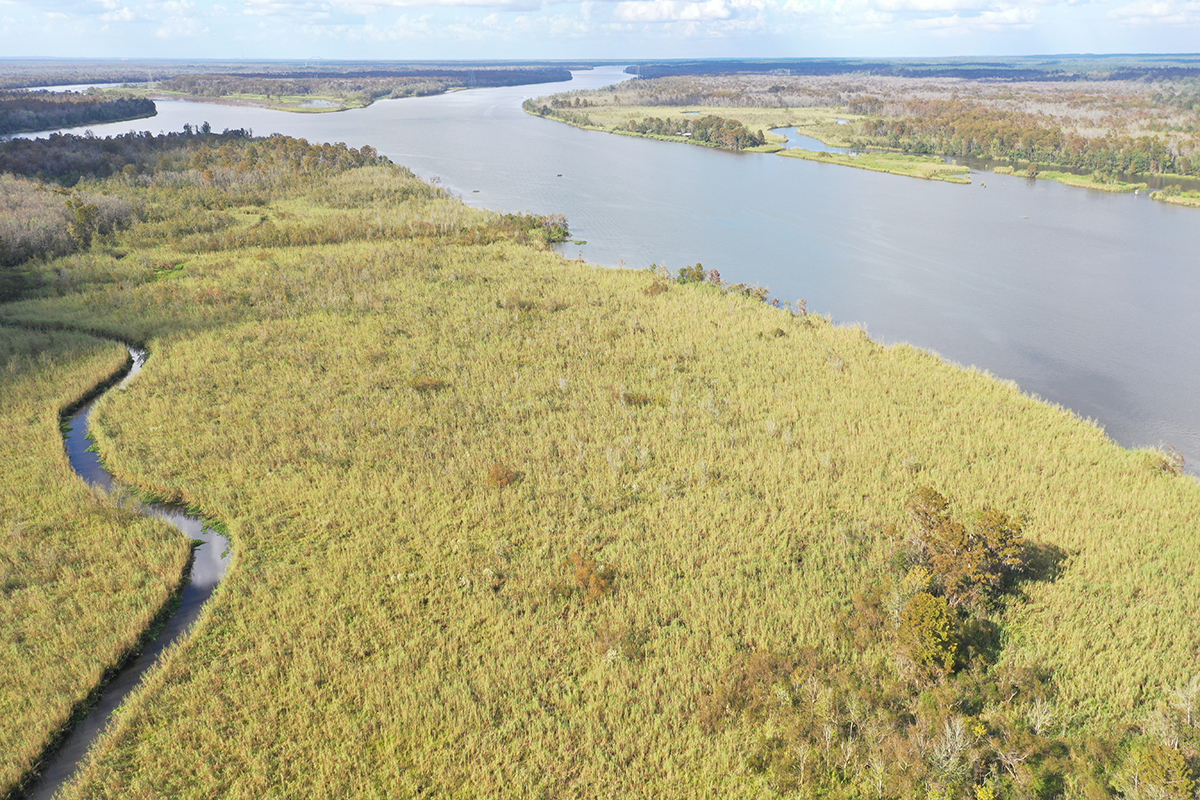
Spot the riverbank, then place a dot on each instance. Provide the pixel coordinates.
(950, 118)
(1078, 181)
(301, 104)
(1190, 198)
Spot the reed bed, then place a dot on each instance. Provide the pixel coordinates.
(506, 523)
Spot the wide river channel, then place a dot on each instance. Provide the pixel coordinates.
(1090, 300)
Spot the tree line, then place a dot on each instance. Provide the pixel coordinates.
(961, 128)
(709, 129)
(38, 111)
(50, 208)
(363, 85)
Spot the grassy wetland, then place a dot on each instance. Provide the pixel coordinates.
(81, 575)
(513, 525)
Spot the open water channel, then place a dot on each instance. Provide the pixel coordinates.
(1087, 299)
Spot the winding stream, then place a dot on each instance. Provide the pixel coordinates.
(210, 560)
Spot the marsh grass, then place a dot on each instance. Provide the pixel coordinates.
(81, 575)
(1097, 182)
(819, 122)
(407, 618)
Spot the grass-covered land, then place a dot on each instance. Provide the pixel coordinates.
(338, 89)
(612, 110)
(81, 576)
(509, 525)
(1177, 196)
(1097, 180)
(930, 168)
(716, 126)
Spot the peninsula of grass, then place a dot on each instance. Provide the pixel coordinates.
(819, 123)
(1176, 196)
(1144, 129)
(930, 168)
(512, 525)
(1097, 183)
(298, 103)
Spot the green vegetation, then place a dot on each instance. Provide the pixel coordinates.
(513, 525)
(1097, 180)
(1007, 69)
(349, 87)
(81, 575)
(707, 129)
(1176, 195)
(1101, 181)
(285, 85)
(930, 168)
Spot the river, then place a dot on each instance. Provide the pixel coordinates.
(1087, 299)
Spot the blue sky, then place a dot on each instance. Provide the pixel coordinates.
(619, 29)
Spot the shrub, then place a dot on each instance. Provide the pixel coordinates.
(1166, 460)
(693, 274)
(929, 635)
(640, 399)
(969, 564)
(1153, 770)
(594, 580)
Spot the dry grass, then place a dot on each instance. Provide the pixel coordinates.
(928, 168)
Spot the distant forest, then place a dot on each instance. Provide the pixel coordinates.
(1119, 68)
(54, 72)
(39, 111)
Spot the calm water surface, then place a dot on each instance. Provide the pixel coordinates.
(1087, 299)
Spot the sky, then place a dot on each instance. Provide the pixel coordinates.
(591, 29)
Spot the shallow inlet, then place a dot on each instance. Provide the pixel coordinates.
(209, 563)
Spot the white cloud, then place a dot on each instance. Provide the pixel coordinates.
(931, 5)
(995, 20)
(1150, 12)
(924, 17)
(671, 10)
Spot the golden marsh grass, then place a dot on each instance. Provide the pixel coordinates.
(473, 562)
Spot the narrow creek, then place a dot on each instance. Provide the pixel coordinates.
(209, 563)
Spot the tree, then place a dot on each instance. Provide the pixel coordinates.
(970, 565)
(1153, 770)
